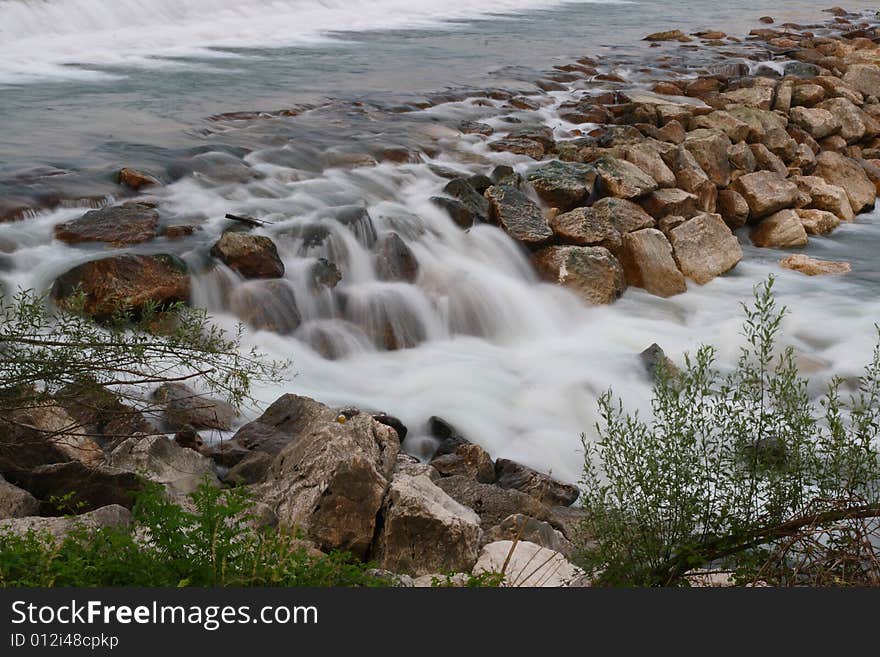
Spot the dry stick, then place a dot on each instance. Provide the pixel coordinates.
(510, 552)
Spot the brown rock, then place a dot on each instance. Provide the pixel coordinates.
(818, 122)
(818, 222)
(583, 226)
(767, 161)
(813, 266)
(765, 192)
(252, 256)
(136, 179)
(469, 460)
(517, 214)
(647, 261)
(823, 196)
(15, 502)
(741, 157)
(528, 147)
(590, 271)
(623, 179)
(538, 485)
(395, 261)
(563, 185)
(733, 208)
(671, 201)
(847, 116)
(709, 148)
(839, 170)
(668, 35)
(864, 78)
(119, 226)
(782, 230)
(807, 95)
(759, 97)
(647, 158)
(731, 126)
(835, 87)
(124, 283)
(704, 247)
(183, 406)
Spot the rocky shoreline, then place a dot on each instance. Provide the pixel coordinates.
(631, 186)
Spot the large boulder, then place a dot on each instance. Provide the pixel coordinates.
(819, 123)
(704, 247)
(733, 208)
(709, 148)
(424, 530)
(864, 78)
(252, 256)
(647, 157)
(492, 503)
(395, 261)
(542, 487)
(111, 515)
(671, 201)
(818, 222)
(765, 192)
(690, 177)
(563, 185)
(119, 226)
(824, 196)
(726, 122)
(16, 502)
(844, 172)
(590, 271)
(585, 227)
(518, 527)
(847, 116)
(648, 263)
(782, 230)
(124, 283)
(330, 479)
(623, 179)
(162, 460)
(526, 564)
(184, 406)
(517, 214)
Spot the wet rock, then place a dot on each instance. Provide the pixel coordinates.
(177, 232)
(765, 192)
(518, 215)
(468, 460)
(112, 515)
(864, 78)
(647, 158)
(492, 503)
(324, 275)
(782, 230)
(450, 438)
(528, 565)
(124, 283)
(393, 422)
(475, 128)
(733, 208)
(704, 247)
(823, 196)
(330, 476)
(267, 305)
(91, 486)
(395, 261)
(648, 263)
(252, 256)
(539, 133)
(590, 271)
(159, 459)
(839, 170)
(818, 222)
(472, 207)
(18, 503)
(563, 185)
(119, 226)
(654, 357)
(583, 226)
(623, 179)
(518, 527)
(671, 201)
(424, 530)
(813, 266)
(183, 406)
(668, 35)
(543, 488)
(529, 147)
(135, 179)
(356, 219)
(188, 438)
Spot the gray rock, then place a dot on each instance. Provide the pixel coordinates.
(183, 406)
(111, 515)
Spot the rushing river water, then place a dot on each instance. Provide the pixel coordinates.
(88, 86)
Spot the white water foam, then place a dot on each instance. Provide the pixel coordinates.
(40, 38)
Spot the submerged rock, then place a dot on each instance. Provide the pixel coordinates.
(395, 261)
(119, 226)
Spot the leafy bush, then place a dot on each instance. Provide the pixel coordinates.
(739, 471)
(216, 545)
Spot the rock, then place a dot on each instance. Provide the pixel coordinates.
(518, 527)
(266, 305)
(450, 438)
(782, 230)
(475, 128)
(472, 201)
(760, 121)
(252, 256)
(835, 87)
(469, 460)
(813, 266)
(590, 271)
(765, 160)
(871, 167)
(330, 478)
(395, 261)
(527, 565)
(135, 179)
(823, 196)
(647, 262)
(623, 179)
(807, 95)
(584, 226)
(818, 222)
(668, 35)
(393, 422)
(183, 406)
(40, 432)
(704, 247)
(424, 530)
(840, 170)
(759, 97)
(119, 226)
(690, 177)
(647, 158)
(709, 148)
(252, 469)
(518, 215)
(780, 143)
(602, 217)
(543, 488)
(112, 515)
(177, 232)
(864, 78)
(726, 122)
(741, 157)
(159, 459)
(804, 158)
(733, 208)
(324, 274)
(410, 465)
(765, 192)
(18, 503)
(541, 134)
(675, 201)
(90, 486)
(528, 147)
(124, 283)
(819, 123)
(563, 185)
(188, 438)
(492, 503)
(847, 116)
(653, 357)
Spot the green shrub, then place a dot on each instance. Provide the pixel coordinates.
(215, 545)
(739, 471)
